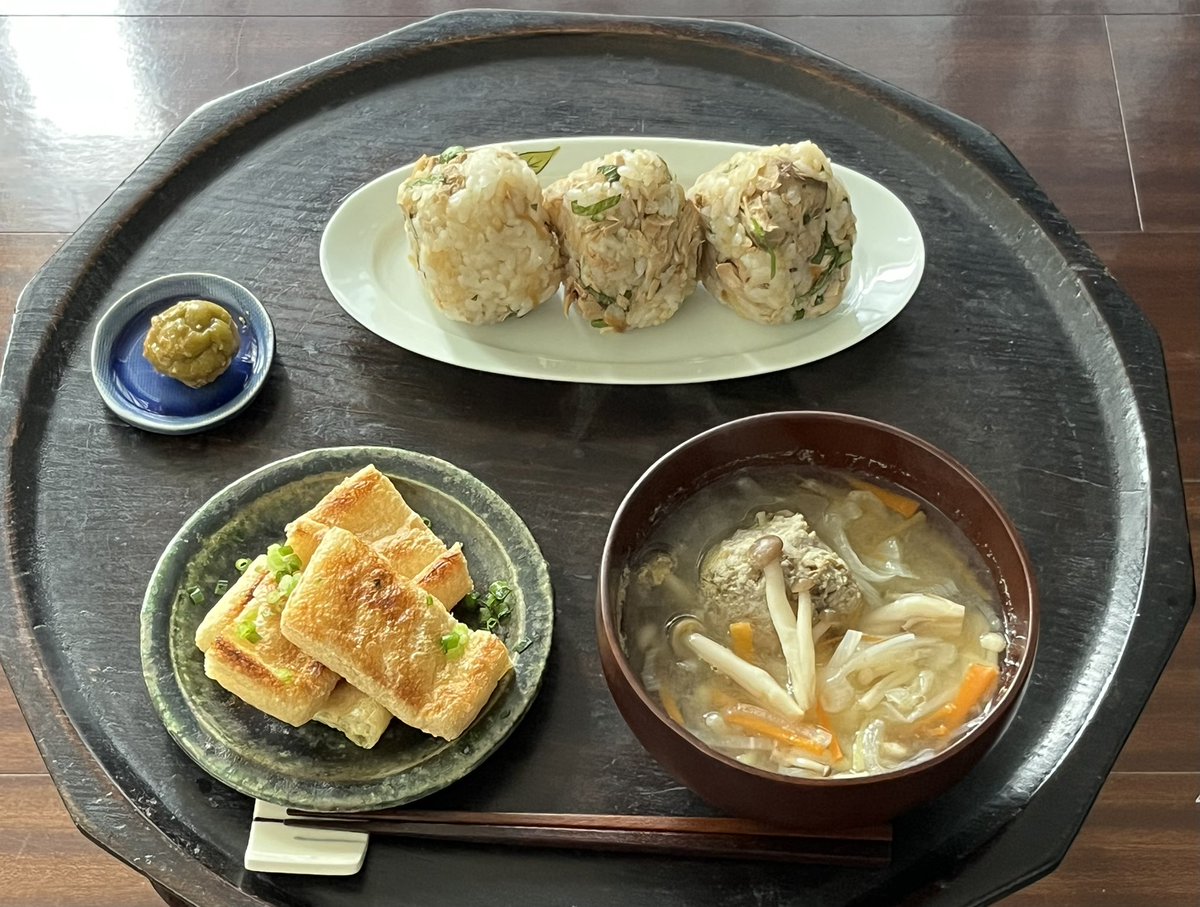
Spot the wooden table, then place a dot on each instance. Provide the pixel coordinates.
(1097, 98)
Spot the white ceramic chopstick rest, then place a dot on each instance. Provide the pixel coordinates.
(274, 847)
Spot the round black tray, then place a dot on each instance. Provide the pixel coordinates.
(1019, 355)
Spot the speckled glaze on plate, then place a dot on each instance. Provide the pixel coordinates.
(143, 397)
(314, 766)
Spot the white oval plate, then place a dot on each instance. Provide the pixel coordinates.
(364, 259)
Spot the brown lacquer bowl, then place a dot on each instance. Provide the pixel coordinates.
(835, 441)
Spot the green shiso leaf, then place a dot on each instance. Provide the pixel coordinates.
(538, 160)
(594, 211)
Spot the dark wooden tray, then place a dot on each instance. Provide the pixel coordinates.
(1019, 355)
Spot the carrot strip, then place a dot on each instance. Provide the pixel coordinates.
(741, 634)
(977, 682)
(906, 507)
(671, 705)
(755, 725)
(821, 719)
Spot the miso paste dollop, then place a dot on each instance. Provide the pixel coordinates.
(193, 341)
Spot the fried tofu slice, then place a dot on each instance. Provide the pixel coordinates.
(447, 579)
(349, 709)
(355, 714)
(383, 633)
(352, 711)
(231, 604)
(252, 659)
(241, 668)
(368, 505)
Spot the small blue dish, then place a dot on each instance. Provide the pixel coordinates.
(152, 401)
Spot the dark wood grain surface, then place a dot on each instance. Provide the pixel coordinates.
(1099, 107)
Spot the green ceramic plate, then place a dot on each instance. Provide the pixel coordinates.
(314, 766)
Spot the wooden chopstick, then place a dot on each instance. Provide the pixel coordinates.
(717, 837)
(691, 824)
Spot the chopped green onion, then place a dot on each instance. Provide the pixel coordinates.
(247, 628)
(221, 587)
(827, 245)
(599, 323)
(603, 298)
(455, 642)
(610, 172)
(283, 674)
(425, 520)
(450, 154)
(430, 600)
(799, 315)
(281, 560)
(760, 239)
(242, 564)
(594, 211)
(823, 281)
(286, 584)
(537, 160)
(196, 594)
(492, 607)
(523, 645)
(433, 179)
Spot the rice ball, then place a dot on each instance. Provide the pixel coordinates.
(780, 233)
(630, 237)
(478, 234)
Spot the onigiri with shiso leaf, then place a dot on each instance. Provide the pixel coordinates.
(780, 233)
(630, 239)
(478, 234)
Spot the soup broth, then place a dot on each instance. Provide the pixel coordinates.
(814, 623)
